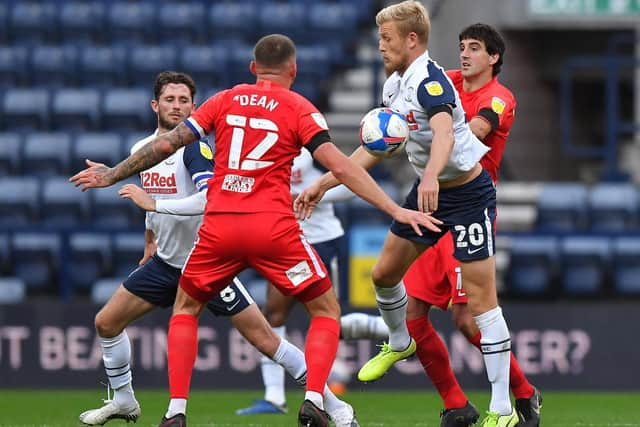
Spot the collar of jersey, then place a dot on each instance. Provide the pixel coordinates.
(419, 61)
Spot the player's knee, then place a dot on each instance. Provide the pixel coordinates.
(383, 277)
(105, 327)
(276, 318)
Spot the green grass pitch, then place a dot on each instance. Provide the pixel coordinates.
(60, 408)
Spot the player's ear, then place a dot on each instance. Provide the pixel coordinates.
(154, 106)
(252, 68)
(293, 69)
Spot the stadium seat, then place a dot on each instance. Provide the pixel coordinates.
(585, 264)
(10, 153)
(285, 18)
(532, 265)
(131, 22)
(145, 62)
(333, 21)
(109, 210)
(89, 258)
(613, 207)
(13, 66)
(82, 22)
(128, 249)
(313, 63)
(127, 109)
(102, 66)
(626, 265)
(12, 290)
(25, 109)
(35, 259)
(103, 147)
(206, 64)
(63, 205)
(19, 201)
(562, 207)
(4, 253)
(102, 289)
(182, 23)
(234, 20)
(33, 22)
(4, 20)
(130, 140)
(239, 58)
(53, 66)
(75, 109)
(363, 213)
(46, 153)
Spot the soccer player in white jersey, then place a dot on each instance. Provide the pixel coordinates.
(178, 186)
(324, 231)
(451, 185)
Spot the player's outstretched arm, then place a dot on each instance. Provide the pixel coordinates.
(99, 175)
(360, 182)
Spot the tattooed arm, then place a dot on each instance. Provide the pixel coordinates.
(152, 153)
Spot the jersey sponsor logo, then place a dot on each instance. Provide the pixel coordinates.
(473, 251)
(411, 120)
(228, 294)
(238, 184)
(299, 273)
(320, 120)
(205, 150)
(296, 176)
(434, 88)
(498, 105)
(155, 183)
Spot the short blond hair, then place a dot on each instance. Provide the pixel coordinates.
(410, 16)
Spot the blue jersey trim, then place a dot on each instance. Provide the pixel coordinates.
(439, 82)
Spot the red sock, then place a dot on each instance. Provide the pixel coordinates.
(520, 386)
(435, 361)
(320, 351)
(181, 353)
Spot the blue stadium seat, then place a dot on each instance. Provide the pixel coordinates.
(89, 259)
(333, 21)
(206, 64)
(35, 259)
(562, 207)
(4, 253)
(314, 62)
(585, 264)
(103, 147)
(130, 140)
(363, 213)
(127, 109)
(12, 290)
(75, 109)
(626, 265)
(109, 210)
(182, 23)
(308, 88)
(19, 201)
(13, 66)
(46, 153)
(103, 289)
(10, 153)
(63, 205)
(127, 250)
(25, 109)
(613, 206)
(145, 62)
(285, 18)
(102, 66)
(82, 21)
(53, 65)
(33, 22)
(532, 265)
(4, 21)
(234, 20)
(240, 56)
(131, 22)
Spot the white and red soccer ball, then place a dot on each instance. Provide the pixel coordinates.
(383, 132)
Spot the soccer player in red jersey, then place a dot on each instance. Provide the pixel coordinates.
(434, 279)
(259, 129)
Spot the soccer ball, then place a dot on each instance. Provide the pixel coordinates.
(383, 132)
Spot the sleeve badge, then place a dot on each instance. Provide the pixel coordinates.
(498, 105)
(434, 88)
(205, 150)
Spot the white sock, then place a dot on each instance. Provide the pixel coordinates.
(176, 406)
(315, 398)
(273, 375)
(496, 351)
(116, 355)
(331, 401)
(355, 326)
(392, 304)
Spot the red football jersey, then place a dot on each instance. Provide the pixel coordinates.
(498, 98)
(259, 129)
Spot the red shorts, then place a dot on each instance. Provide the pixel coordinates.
(271, 243)
(435, 276)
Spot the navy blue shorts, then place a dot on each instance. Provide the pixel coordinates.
(469, 211)
(157, 283)
(327, 250)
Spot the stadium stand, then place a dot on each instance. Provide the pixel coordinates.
(563, 207)
(10, 157)
(533, 264)
(131, 22)
(101, 147)
(585, 264)
(613, 207)
(19, 201)
(89, 258)
(53, 66)
(75, 109)
(109, 210)
(145, 62)
(102, 66)
(127, 250)
(626, 265)
(32, 22)
(102, 289)
(62, 205)
(127, 110)
(12, 290)
(82, 22)
(13, 66)
(35, 258)
(183, 23)
(25, 109)
(46, 153)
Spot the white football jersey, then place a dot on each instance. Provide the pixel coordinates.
(423, 88)
(323, 225)
(182, 174)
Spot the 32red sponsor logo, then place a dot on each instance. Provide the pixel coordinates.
(154, 182)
